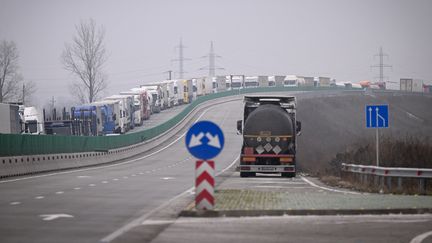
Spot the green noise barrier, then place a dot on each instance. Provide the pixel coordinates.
(25, 144)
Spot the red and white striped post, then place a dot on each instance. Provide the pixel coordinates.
(204, 185)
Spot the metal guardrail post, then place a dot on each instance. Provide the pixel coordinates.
(399, 187)
(389, 183)
(422, 186)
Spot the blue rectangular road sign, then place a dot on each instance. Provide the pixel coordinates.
(377, 116)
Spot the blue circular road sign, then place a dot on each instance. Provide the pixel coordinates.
(204, 140)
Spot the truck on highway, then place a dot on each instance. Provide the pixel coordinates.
(85, 120)
(155, 94)
(270, 131)
(33, 121)
(107, 112)
(141, 104)
(10, 121)
(126, 111)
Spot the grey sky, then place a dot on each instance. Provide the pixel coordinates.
(335, 38)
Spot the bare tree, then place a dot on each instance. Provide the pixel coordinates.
(10, 78)
(85, 58)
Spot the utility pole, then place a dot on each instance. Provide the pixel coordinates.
(212, 61)
(169, 74)
(23, 95)
(181, 59)
(381, 65)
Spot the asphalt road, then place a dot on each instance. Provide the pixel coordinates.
(355, 229)
(96, 202)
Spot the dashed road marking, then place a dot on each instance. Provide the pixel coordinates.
(39, 197)
(92, 185)
(104, 182)
(77, 188)
(15, 203)
(115, 179)
(59, 192)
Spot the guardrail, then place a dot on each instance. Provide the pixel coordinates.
(383, 176)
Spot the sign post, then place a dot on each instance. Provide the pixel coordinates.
(204, 140)
(377, 117)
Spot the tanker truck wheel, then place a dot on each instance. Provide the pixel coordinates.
(288, 174)
(247, 174)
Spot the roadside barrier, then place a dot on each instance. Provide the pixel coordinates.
(383, 176)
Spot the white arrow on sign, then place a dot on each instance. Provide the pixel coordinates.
(49, 217)
(196, 140)
(213, 140)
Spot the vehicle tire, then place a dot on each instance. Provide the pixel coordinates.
(244, 174)
(288, 174)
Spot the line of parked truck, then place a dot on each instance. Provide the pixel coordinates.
(118, 114)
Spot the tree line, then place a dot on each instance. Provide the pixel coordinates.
(84, 57)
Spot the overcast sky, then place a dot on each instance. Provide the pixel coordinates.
(336, 38)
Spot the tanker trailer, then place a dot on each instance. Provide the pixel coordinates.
(269, 129)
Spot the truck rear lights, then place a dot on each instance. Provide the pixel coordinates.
(245, 168)
(248, 150)
(248, 159)
(289, 169)
(286, 160)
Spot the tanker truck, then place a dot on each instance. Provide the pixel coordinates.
(269, 128)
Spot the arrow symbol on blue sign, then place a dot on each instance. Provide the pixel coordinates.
(212, 140)
(196, 140)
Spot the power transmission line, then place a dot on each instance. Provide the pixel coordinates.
(212, 62)
(381, 65)
(181, 59)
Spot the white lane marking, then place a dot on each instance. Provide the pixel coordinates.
(420, 238)
(167, 178)
(115, 179)
(142, 219)
(326, 188)
(77, 188)
(59, 192)
(286, 187)
(157, 222)
(92, 185)
(141, 173)
(49, 217)
(133, 175)
(414, 117)
(125, 177)
(15, 203)
(84, 176)
(104, 182)
(112, 165)
(39, 197)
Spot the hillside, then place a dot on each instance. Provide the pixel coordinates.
(332, 124)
